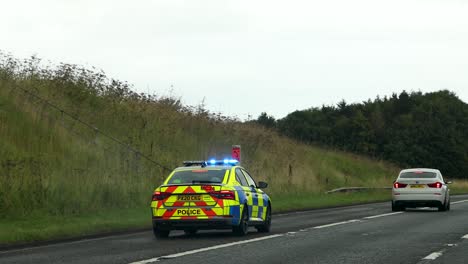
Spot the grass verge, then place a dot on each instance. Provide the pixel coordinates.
(40, 227)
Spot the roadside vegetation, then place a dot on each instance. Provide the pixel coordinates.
(81, 154)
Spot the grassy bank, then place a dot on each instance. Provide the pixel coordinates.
(68, 156)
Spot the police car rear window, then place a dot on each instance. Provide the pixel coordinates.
(197, 176)
(418, 174)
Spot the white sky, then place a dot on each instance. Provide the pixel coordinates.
(249, 56)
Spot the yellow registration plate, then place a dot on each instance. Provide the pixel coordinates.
(188, 212)
(189, 198)
(417, 186)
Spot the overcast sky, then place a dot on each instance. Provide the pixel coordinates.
(246, 57)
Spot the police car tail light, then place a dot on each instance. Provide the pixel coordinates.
(398, 185)
(435, 185)
(158, 196)
(224, 194)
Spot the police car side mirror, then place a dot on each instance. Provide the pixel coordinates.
(448, 182)
(262, 185)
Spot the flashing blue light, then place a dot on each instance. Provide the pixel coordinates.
(231, 162)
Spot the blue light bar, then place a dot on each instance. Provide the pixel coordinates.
(229, 162)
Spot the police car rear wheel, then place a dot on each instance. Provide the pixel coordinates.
(190, 232)
(265, 228)
(243, 228)
(160, 233)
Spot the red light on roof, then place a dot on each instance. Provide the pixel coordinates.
(199, 171)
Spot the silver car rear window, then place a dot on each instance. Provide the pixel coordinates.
(418, 174)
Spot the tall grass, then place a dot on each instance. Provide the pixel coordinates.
(54, 165)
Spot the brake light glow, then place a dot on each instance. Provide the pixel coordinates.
(398, 185)
(158, 196)
(224, 194)
(435, 185)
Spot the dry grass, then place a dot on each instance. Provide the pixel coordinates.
(459, 186)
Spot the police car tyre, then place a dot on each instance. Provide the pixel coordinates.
(160, 233)
(266, 227)
(243, 228)
(191, 231)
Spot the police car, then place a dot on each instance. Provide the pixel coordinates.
(214, 194)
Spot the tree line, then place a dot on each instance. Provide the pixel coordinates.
(411, 129)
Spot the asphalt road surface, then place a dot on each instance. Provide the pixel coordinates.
(356, 234)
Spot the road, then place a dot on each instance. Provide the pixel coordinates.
(356, 234)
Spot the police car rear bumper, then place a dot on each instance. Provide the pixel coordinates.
(212, 223)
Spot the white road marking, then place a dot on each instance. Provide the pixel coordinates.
(206, 249)
(339, 223)
(382, 215)
(465, 236)
(433, 256)
(457, 202)
(191, 252)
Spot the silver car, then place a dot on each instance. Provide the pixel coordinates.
(420, 188)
